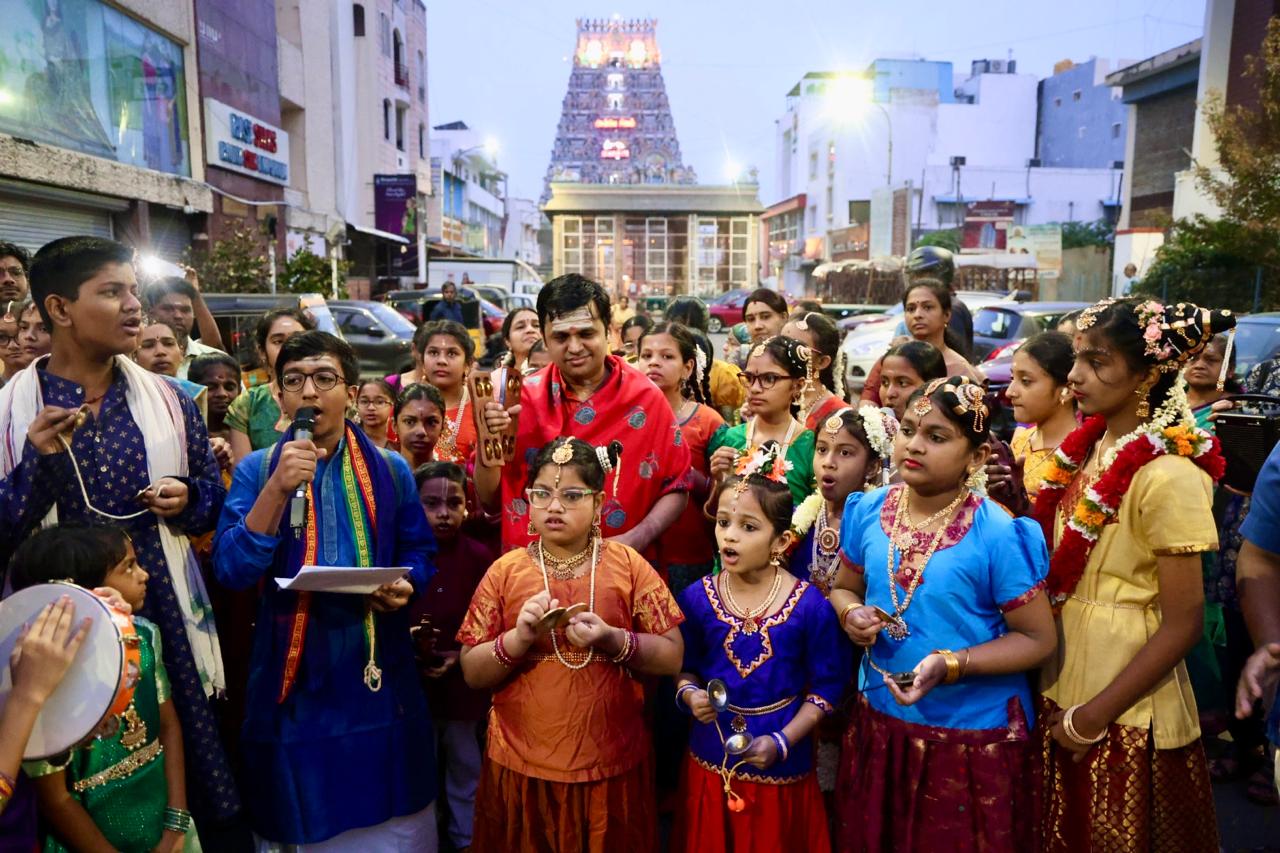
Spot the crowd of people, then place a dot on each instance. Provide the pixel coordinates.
(640, 605)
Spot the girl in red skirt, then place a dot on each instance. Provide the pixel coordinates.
(773, 642)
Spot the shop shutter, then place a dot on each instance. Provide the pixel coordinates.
(31, 222)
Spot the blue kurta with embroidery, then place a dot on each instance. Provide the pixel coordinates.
(334, 755)
(113, 461)
(986, 565)
(799, 654)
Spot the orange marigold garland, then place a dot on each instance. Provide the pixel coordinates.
(1099, 503)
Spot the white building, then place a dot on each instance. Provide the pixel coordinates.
(520, 240)
(467, 212)
(849, 140)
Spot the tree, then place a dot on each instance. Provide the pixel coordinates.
(1218, 262)
(237, 263)
(948, 238)
(1248, 143)
(307, 272)
(1078, 235)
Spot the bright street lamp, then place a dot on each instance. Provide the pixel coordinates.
(857, 95)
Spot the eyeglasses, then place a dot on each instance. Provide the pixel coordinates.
(7, 340)
(324, 380)
(14, 272)
(569, 498)
(764, 380)
(375, 402)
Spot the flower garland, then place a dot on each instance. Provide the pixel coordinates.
(765, 462)
(1099, 503)
(880, 427)
(806, 514)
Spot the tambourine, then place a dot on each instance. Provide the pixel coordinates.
(100, 682)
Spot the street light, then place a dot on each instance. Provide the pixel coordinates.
(858, 95)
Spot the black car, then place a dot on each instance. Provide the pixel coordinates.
(998, 325)
(237, 316)
(380, 335)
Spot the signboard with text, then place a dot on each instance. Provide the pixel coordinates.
(395, 205)
(237, 141)
(1043, 242)
(986, 225)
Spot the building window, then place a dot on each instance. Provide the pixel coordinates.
(422, 78)
(1080, 131)
(398, 64)
(422, 141)
(384, 33)
(1057, 102)
(813, 165)
(615, 81)
(1075, 96)
(1115, 130)
(357, 18)
(813, 217)
(386, 118)
(615, 100)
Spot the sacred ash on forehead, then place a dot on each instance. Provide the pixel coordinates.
(578, 318)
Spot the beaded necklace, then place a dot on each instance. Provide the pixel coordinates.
(900, 537)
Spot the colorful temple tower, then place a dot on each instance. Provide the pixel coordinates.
(615, 122)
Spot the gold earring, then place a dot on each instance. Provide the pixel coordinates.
(1144, 404)
(595, 529)
(531, 531)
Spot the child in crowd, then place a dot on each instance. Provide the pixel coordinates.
(219, 373)
(775, 374)
(670, 357)
(822, 395)
(569, 760)
(775, 646)
(419, 418)
(851, 454)
(375, 402)
(1042, 398)
(931, 566)
(457, 711)
(903, 369)
(125, 791)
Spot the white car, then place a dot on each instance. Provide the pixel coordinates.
(863, 346)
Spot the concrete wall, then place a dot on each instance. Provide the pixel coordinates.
(1163, 134)
(1080, 133)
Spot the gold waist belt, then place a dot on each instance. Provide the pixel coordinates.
(122, 769)
(763, 709)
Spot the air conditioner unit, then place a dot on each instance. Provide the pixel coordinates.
(996, 66)
(1117, 164)
(957, 162)
(1033, 163)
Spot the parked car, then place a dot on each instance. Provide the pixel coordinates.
(996, 326)
(380, 335)
(237, 316)
(864, 346)
(1257, 339)
(726, 309)
(841, 311)
(502, 299)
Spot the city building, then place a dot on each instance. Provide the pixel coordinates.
(624, 208)
(100, 128)
(1081, 119)
(615, 124)
(382, 142)
(868, 161)
(248, 155)
(467, 213)
(1160, 95)
(524, 222)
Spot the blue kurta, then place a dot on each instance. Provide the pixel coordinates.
(113, 462)
(798, 653)
(334, 755)
(997, 564)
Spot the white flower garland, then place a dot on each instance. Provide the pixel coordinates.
(806, 515)
(880, 428)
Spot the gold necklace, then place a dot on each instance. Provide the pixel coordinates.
(898, 627)
(562, 568)
(447, 447)
(751, 618)
(546, 586)
(906, 540)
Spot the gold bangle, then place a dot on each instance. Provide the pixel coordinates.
(844, 612)
(953, 665)
(964, 669)
(1068, 726)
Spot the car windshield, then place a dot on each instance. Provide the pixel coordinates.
(392, 319)
(994, 323)
(1256, 340)
(323, 318)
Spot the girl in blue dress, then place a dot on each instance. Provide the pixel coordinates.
(774, 643)
(945, 591)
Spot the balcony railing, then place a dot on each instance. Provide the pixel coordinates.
(402, 75)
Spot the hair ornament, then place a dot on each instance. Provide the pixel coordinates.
(562, 456)
(880, 426)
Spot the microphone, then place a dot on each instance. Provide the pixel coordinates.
(304, 424)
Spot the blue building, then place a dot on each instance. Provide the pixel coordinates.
(1081, 121)
(890, 74)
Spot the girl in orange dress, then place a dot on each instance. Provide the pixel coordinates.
(1041, 397)
(671, 358)
(568, 761)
